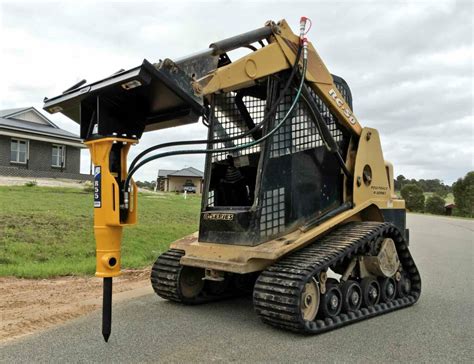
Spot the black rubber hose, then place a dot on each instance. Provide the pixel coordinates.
(223, 140)
(324, 131)
(247, 145)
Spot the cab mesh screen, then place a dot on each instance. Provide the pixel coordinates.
(228, 122)
(299, 132)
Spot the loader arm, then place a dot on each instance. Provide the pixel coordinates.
(277, 56)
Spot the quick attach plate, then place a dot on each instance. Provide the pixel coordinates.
(130, 102)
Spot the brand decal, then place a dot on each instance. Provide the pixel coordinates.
(379, 190)
(340, 102)
(218, 216)
(97, 187)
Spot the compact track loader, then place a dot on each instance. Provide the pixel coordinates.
(298, 208)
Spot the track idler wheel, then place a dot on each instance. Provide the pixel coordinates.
(310, 298)
(331, 301)
(191, 282)
(388, 289)
(403, 286)
(370, 291)
(351, 296)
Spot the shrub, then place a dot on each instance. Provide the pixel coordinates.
(463, 191)
(414, 198)
(435, 205)
(31, 183)
(88, 187)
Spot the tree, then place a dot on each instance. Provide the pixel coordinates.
(434, 185)
(413, 196)
(442, 191)
(150, 185)
(399, 182)
(435, 205)
(463, 191)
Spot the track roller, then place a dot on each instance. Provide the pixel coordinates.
(351, 296)
(388, 289)
(331, 301)
(370, 291)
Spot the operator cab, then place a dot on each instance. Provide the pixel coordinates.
(258, 193)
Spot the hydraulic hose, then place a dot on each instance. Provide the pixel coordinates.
(231, 149)
(324, 132)
(228, 139)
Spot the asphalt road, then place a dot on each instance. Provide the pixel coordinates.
(439, 328)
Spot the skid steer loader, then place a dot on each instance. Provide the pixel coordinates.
(298, 207)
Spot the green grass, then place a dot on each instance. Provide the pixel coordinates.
(47, 232)
(448, 199)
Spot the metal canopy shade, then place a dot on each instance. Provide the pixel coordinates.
(130, 102)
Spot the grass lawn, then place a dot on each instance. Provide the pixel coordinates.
(47, 232)
(448, 199)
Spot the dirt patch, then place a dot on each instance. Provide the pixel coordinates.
(30, 305)
(47, 182)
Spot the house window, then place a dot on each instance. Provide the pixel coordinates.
(58, 156)
(18, 151)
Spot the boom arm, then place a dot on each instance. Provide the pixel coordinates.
(275, 57)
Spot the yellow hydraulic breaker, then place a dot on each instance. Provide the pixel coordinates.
(113, 209)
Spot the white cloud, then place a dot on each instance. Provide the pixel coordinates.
(409, 65)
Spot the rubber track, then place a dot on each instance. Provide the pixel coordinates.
(165, 275)
(278, 289)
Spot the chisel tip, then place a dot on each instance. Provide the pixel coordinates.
(107, 309)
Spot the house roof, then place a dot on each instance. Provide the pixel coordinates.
(11, 120)
(165, 172)
(20, 112)
(35, 127)
(185, 172)
(7, 112)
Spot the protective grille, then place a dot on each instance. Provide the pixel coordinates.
(228, 122)
(328, 117)
(299, 133)
(210, 199)
(272, 220)
(344, 92)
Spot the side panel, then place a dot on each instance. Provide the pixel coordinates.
(396, 217)
(370, 176)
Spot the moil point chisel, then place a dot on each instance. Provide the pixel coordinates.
(107, 308)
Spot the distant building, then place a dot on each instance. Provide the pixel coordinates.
(31, 145)
(189, 179)
(448, 209)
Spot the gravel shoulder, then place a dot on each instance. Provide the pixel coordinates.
(32, 305)
(44, 182)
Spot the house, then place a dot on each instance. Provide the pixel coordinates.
(448, 208)
(31, 145)
(190, 179)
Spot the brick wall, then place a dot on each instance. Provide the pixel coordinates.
(23, 172)
(4, 150)
(39, 164)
